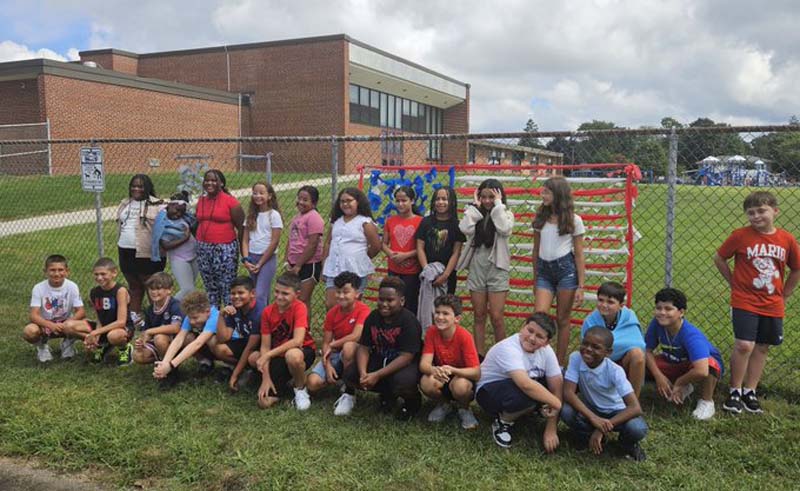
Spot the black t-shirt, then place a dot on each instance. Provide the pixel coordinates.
(389, 337)
(105, 304)
(440, 238)
(170, 315)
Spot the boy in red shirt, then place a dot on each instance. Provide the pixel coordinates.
(343, 325)
(449, 363)
(287, 348)
(761, 253)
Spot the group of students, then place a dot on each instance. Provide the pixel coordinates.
(383, 350)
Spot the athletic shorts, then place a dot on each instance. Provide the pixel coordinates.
(129, 264)
(673, 370)
(237, 346)
(130, 329)
(280, 375)
(310, 271)
(760, 329)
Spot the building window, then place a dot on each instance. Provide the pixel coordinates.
(494, 157)
(517, 157)
(375, 108)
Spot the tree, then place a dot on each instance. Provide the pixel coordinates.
(695, 146)
(781, 149)
(669, 122)
(530, 141)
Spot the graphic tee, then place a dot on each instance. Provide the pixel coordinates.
(439, 238)
(170, 314)
(387, 338)
(245, 324)
(56, 304)
(402, 238)
(759, 263)
(105, 304)
(689, 344)
(303, 226)
(281, 325)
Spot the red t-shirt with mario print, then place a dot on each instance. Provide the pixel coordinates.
(759, 263)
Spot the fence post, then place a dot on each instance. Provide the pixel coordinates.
(98, 213)
(269, 167)
(672, 181)
(49, 150)
(334, 170)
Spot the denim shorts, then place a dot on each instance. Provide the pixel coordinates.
(558, 274)
(336, 361)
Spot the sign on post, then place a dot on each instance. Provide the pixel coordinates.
(93, 178)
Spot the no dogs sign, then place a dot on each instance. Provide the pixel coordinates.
(93, 178)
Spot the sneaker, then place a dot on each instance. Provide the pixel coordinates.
(68, 348)
(223, 375)
(406, 410)
(43, 353)
(686, 391)
(440, 412)
(501, 431)
(206, 367)
(302, 401)
(344, 405)
(636, 453)
(750, 403)
(733, 404)
(468, 421)
(99, 353)
(704, 410)
(386, 403)
(125, 355)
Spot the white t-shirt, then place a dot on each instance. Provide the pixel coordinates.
(127, 228)
(508, 356)
(56, 304)
(553, 246)
(261, 237)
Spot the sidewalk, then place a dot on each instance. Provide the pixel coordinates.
(61, 220)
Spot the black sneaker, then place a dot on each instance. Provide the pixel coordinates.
(223, 375)
(406, 410)
(206, 367)
(635, 453)
(501, 431)
(386, 403)
(750, 403)
(733, 404)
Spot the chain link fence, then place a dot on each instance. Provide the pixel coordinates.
(691, 183)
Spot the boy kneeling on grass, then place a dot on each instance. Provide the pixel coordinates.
(519, 375)
(240, 335)
(449, 365)
(388, 351)
(162, 320)
(607, 401)
(53, 302)
(287, 348)
(344, 324)
(114, 326)
(686, 358)
(199, 326)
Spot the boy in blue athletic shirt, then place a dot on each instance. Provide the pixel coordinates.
(607, 401)
(240, 334)
(686, 358)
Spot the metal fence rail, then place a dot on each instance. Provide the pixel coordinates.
(690, 196)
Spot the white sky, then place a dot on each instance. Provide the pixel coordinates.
(561, 63)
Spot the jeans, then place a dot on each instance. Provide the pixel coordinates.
(630, 432)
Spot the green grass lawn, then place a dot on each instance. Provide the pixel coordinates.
(77, 417)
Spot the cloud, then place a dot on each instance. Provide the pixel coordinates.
(11, 51)
(562, 63)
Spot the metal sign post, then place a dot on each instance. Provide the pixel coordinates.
(93, 180)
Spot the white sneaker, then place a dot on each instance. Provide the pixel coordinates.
(704, 410)
(344, 405)
(67, 348)
(686, 391)
(302, 401)
(43, 352)
(468, 421)
(440, 412)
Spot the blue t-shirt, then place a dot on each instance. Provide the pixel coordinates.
(689, 344)
(245, 325)
(603, 387)
(171, 315)
(210, 325)
(626, 330)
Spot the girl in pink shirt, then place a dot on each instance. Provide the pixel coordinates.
(304, 249)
